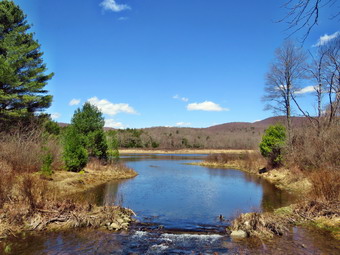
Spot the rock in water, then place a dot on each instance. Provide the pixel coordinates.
(238, 234)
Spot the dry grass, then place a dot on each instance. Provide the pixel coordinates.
(94, 174)
(248, 161)
(263, 225)
(180, 151)
(30, 201)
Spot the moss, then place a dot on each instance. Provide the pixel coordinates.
(8, 249)
(284, 211)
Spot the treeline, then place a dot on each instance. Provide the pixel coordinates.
(189, 138)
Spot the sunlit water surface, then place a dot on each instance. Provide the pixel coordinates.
(178, 209)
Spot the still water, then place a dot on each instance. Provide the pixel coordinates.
(170, 193)
(178, 209)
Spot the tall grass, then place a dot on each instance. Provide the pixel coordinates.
(251, 161)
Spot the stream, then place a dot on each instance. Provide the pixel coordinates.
(181, 209)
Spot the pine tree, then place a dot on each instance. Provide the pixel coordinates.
(89, 122)
(22, 71)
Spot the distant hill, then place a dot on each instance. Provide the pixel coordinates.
(262, 124)
(233, 135)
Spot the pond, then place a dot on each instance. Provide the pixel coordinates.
(181, 209)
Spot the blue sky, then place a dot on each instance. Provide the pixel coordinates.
(162, 62)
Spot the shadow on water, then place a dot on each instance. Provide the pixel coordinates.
(178, 207)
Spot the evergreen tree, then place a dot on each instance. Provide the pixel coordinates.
(89, 122)
(75, 155)
(22, 71)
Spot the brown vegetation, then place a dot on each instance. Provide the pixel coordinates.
(32, 201)
(263, 225)
(234, 135)
(249, 161)
(22, 150)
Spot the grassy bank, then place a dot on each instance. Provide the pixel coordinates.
(93, 175)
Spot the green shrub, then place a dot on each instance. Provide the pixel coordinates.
(272, 144)
(112, 141)
(47, 160)
(75, 155)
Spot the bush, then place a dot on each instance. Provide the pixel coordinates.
(75, 155)
(312, 150)
(272, 144)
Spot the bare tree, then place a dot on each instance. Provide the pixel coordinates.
(283, 78)
(304, 14)
(332, 77)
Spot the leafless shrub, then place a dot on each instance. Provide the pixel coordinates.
(313, 151)
(326, 185)
(22, 150)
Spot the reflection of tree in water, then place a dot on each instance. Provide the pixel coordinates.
(105, 194)
(110, 193)
(273, 198)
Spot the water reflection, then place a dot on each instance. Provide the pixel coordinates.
(175, 195)
(184, 199)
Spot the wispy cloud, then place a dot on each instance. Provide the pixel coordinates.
(326, 38)
(55, 115)
(109, 108)
(112, 5)
(183, 124)
(184, 99)
(113, 124)
(74, 102)
(206, 106)
(123, 18)
(305, 90)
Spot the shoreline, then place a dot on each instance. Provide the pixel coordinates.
(55, 208)
(267, 224)
(181, 151)
(281, 178)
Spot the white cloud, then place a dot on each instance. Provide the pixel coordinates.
(184, 99)
(55, 115)
(74, 102)
(112, 5)
(326, 38)
(113, 124)
(304, 90)
(109, 108)
(206, 106)
(183, 124)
